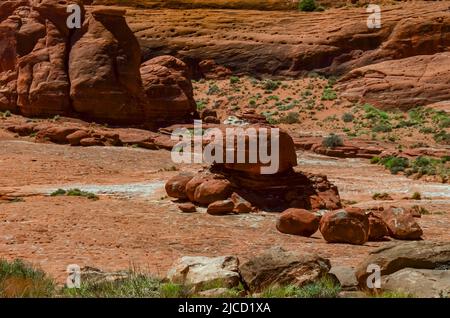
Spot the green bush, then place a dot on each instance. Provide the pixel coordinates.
(307, 5)
(416, 196)
(348, 117)
(270, 85)
(323, 288)
(328, 94)
(74, 193)
(201, 105)
(332, 141)
(395, 164)
(213, 90)
(383, 127)
(290, 118)
(234, 80)
(442, 137)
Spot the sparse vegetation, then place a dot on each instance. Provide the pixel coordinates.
(421, 165)
(416, 196)
(329, 94)
(6, 114)
(347, 117)
(381, 196)
(75, 193)
(213, 90)
(307, 5)
(19, 279)
(323, 288)
(332, 141)
(234, 80)
(270, 85)
(289, 118)
(395, 164)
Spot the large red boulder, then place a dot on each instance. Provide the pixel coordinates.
(220, 207)
(244, 144)
(377, 228)
(192, 185)
(212, 190)
(401, 224)
(176, 186)
(350, 225)
(298, 222)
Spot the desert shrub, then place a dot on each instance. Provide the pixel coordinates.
(406, 123)
(133, 286)
(74, 193)
(429, 166)
(201, 105)
(382, 127)
(442, 137)
(252, 103)
(374, 113)
(420, 209)
(213, 90)
(381, 196)
(234, 80)
(7, 114)
(273, 97)
(416, 196)
(307, 5)
(395, 164)
(290, 118)
(393, 294)
(323, 288)
(331, 118)
(307, 92)
(270, 85)
(426, 130)
(272, 120)
(19, 279)
(375, 160)
(347, 117)
(328, 94)
(442, 119)
(286, 107)
(332, 141)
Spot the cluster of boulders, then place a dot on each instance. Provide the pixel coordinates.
(242, 187)
(273, 267)
(85, 135)
(92, 72)
(353, 225)
(414, 268)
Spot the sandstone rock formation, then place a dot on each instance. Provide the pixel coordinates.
(278, 267)
(400, 84)
(293, 42)
(397, 256)
(94, 72)
(423, 283)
